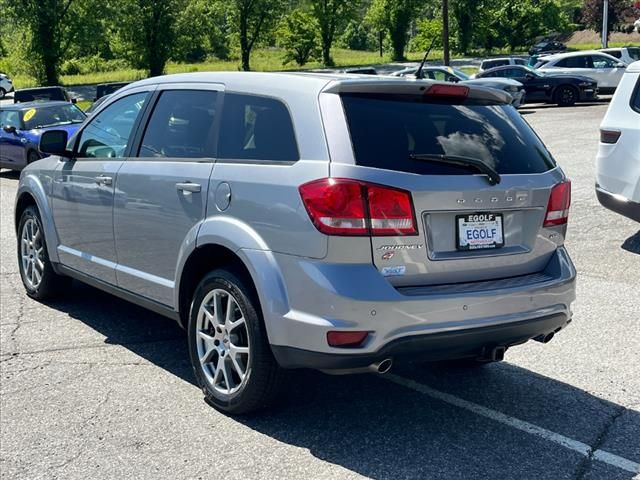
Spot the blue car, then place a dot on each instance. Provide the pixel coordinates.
(22, 124)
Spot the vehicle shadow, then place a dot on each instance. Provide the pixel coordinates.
(632, 244)
(10, 174)
(373, 427)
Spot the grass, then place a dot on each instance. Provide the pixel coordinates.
(595, 46)
(268, 59)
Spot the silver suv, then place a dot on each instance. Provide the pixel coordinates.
(315, 221)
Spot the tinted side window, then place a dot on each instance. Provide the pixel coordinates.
(181, 125)
(520, 61)
(614, 53)
(108, 134)
(573, 62)
(602, 62)
(256, 128)
(10, 118)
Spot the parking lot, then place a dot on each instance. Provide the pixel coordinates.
(93, 387)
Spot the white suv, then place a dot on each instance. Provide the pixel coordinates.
(618, 161)
(624, 54)
(603, 68)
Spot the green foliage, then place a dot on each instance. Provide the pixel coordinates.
(428, 31)
(93, 64)
(331, 16)
(394, 17)
(298, 35)
(357, 36)
(202, 30)
(250, 20)
(145, 32)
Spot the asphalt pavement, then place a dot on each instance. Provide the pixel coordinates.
(94, 387)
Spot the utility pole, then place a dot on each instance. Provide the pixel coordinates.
(445, 30)
(605, 24)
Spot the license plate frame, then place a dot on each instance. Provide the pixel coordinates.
(479, 220)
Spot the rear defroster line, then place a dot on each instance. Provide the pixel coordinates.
(571, 444)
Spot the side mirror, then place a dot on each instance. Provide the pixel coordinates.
(54, 142)
(74, 100)
(9, 129)
(621, 65)
(528, 76)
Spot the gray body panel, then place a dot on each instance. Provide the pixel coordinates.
(83, 212)
(152, 219)
(138, 234)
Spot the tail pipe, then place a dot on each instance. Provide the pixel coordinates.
(381, 367)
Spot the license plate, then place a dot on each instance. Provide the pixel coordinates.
(476, 231)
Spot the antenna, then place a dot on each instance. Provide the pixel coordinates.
(419, 73)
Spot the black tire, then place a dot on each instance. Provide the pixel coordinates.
(51, 284)
(32, 156)
(566, 95)
(263, 379)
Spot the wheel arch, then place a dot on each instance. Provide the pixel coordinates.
(32, 192)
(257, 267)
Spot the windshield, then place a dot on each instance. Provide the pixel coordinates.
(634, 52)
(51, 116)
(387, 130)
(460, 74)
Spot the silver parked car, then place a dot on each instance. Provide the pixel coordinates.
(306, 220)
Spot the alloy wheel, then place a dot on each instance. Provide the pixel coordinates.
(222, 341)
(32, 253)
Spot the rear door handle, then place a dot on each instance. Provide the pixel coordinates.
(104, 180)
(188, 187)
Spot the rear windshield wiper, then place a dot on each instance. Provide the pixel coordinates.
(461, 161)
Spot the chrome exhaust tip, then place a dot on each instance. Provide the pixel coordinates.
(382, 367)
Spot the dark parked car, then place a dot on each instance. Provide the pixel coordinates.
(564, 90)
(22, 125)
(109, 88)
(547, 46)
(42, 94)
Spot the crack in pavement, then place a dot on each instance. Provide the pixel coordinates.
(587, 462)
(11, 355)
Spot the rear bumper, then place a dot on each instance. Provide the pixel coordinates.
(445, 321)
(618, 204)
(472, 342)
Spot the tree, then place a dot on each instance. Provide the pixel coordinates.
(251, 19)
(394, 17)
(145, 32)
(618, 10)
(332, 15)
(45, 20)
(202, 28)
(298, 35)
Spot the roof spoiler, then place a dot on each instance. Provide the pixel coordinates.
(409, 86)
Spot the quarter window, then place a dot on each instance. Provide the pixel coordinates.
(109, 133)
(256, 128)
(602, 62)
(181, 125)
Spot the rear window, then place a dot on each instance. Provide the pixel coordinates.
(634, 52)
(487, 64)
(387, 129)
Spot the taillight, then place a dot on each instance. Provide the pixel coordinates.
(559, 203)
(346, 339)
(455, 91)
(609, 136)
(341, 206)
